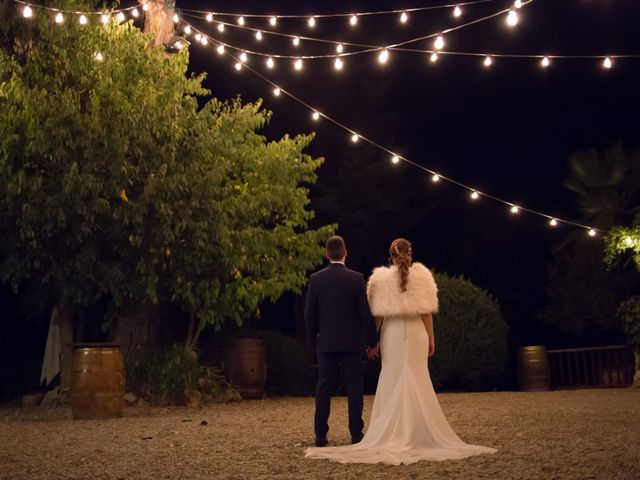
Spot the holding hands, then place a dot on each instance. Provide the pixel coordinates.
(373, 352)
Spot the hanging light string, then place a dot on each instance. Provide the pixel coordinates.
(337, 15)
(316, 114)
(364, 48)
(82, 12)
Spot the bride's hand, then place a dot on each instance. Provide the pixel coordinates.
(432, 348)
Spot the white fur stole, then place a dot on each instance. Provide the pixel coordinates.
(387, 298)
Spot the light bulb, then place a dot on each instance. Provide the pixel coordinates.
(339, 48)
(435, 177)
(238, 66)
(104, 18)
(488, 61)
(273, 21)
(296, 41)
(512, 18)
(270, 62)
(198, 37)
(209, 17)
(517, 3)
(243, 57)
(298, 64)
(553, 222)
(240, 20)
(276, 92)
(121, 17)
(27, 12)
(221, 27)
(187, 30)
(384, 56)
(514, 209)
(629, 241)
(353, 20)
(404, 17)
(258, 35)
(457, 11)
(176, 18)
(145, 7)
(434, 57)
(312, 22)
(438, 43)
(315, 116)
(355, 138)
(98, 56)
(607, 63)
(204, 41)
(474, 195)
(83, 20)
(135, 13)
(592, 232)
(338, 64)
(545, 61)
(220, 49)
(395, 159)
(59, 18)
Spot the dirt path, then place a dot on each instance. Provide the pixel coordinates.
(583, 434)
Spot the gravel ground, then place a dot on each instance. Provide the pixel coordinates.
(580, 434)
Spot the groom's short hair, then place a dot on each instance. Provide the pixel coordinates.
(336, 249)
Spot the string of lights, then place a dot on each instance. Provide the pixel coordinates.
(395, 158)
(511, 19)
(456, 8)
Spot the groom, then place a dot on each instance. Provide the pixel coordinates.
(338, 321)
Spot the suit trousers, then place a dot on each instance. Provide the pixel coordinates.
(328, 370)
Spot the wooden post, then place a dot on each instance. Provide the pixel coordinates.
(159, 20)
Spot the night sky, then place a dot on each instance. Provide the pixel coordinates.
(506, 130)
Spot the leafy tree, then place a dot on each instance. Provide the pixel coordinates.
(585, 294)
(116, 187)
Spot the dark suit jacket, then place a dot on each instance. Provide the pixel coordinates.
(337, 312)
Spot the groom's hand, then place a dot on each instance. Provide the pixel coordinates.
(373, 352)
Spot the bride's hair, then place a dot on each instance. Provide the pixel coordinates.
(401, 256)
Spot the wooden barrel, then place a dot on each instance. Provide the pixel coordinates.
(97, 381)
(246, 366)
(533, 368)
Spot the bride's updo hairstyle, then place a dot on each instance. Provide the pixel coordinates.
(401, 256)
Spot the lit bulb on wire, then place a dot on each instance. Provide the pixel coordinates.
(404, 17)
(83, 20)
(276, 92)
(298, 64)
(176, 18)
(514, 209)
(629, 241)
(198, 37)
(273, 21)
(435, 178)
(121, 17)
(553, 222)
(240, 20)
(296, 41)
(517, 3)
(457, 11)
(209, 17)
(487, 61)
(312, 22)
(27, 12)
(395, 159)
(187, 30)
(135, 13)
(512, 18)
(204, 40)
(98, 57)
(59, 18)
(220, 49)
(238, 66)
(315, 116)
(338, 64)
(339, 48)
(592, 232)
(221, 27)
(104, 18)
(258, 35)
(434, 57)
(355, 137)
(270, 62)
(474, 195)
(545, 62)
(438, 43)
(383, 56)
(607, 63)
(243, 57)
(353, 20)
(145, 7)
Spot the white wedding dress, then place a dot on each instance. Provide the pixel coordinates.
(407, 424)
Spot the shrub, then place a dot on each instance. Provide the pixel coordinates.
(167, 376)
(629, 315)
(471, 336)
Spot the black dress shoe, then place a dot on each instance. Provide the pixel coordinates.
(321, 441)
(357, 439)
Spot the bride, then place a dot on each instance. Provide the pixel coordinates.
(407, 424)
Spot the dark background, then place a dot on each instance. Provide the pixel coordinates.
(507, 130)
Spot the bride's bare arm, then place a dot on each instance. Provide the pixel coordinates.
(427, 319)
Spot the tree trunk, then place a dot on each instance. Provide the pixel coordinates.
(159, 20)
(135, 332)
(65, 318)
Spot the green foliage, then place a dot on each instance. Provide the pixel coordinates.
(115, 185)
(471, 336)
(167, 376)
(629, 315)
(288, 369)
(623, 241)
